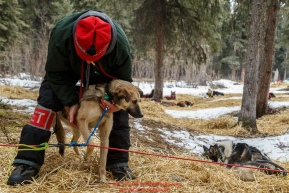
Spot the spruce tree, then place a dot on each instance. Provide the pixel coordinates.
(10, 24)
(178, 28)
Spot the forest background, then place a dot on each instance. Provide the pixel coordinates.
(171, 40)
(216, 47)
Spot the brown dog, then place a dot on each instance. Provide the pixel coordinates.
(121, 93)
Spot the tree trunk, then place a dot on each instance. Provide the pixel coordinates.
(285, 66)
(233, 67)
(234, 73)
(247, 115)
(159, 74)
(285, 69)
(265, 68)
(243, 74)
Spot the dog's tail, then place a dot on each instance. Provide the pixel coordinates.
(274, 166)
(267, 164)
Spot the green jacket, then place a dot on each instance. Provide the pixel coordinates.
(63, 65)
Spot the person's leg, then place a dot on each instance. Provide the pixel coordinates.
(28, 163)
(117, 161)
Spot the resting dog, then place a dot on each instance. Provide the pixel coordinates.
(217, 93)
(212, 93)
(148, 95)
(121, 93)
(172, 96)
(184, 104)
(241, 154)
(270, 95)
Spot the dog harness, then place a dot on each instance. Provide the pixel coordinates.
(42, 118)
(107, 95)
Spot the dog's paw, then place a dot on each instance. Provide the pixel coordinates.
(83, 157)
(103, 181)
(245, 174)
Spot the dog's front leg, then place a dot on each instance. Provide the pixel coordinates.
(104, 132)
(85, 132)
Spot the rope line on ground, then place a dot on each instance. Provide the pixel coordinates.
(44, 146)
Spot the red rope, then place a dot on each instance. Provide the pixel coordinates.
(102, 70)
(11, 145)
(189, 159)
(81, 76)
(165, 156)
(146, 183)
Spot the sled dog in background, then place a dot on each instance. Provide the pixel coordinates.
(172, 96)
(241, 154)
(212, 93)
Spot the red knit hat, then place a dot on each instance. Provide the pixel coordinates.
(92, 37)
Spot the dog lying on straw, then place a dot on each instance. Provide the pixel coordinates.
(123, 94)
(241, 154)
(212, 93)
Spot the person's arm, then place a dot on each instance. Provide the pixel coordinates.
(60, 73)
(63, 85)
(72, 112)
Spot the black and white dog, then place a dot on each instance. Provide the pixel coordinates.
(212, 93)
(217, 93)
(241, 154)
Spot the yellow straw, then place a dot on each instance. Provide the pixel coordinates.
(9, 165)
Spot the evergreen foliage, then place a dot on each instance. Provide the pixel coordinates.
(211, 34)
(188, 26)
(11, 23)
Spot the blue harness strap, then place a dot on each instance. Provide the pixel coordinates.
(93, 131)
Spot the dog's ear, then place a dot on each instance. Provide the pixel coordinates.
(214, 150)
(205, 148)
(124, 94)
(139, 91)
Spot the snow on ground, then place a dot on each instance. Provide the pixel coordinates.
(22, 80)
(230, 88)
(29, 104)
(268, 145)
(216, 112)
(204, 113)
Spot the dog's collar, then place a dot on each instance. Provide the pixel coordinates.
(107, 94)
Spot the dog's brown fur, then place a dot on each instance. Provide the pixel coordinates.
(124, 95)
(184, 104)
(181, 104)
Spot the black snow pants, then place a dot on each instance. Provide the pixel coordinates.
(119, 136)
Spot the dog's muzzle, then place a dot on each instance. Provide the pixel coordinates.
(135, 112)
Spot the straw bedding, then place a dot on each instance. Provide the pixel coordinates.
(154, 174)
